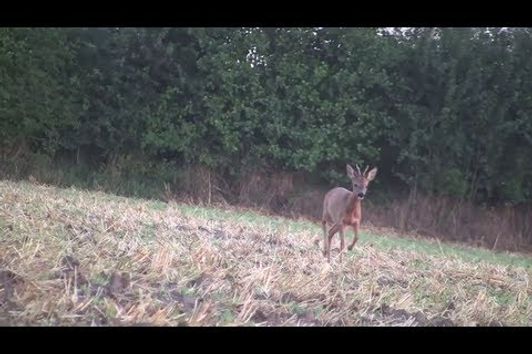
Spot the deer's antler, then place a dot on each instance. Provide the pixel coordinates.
(358, 169)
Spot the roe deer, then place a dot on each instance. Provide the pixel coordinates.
(342, 208)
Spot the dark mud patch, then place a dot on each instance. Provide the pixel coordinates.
(70, 271)
(188, 303)
(9, 281)
(118, 283)
(69, 264)
(308, 319)
(289, 297)
(387, 315)
(201, 280)
(216, 233)
(270, 318)
(171, 294)
(388, 281)
(492, 323)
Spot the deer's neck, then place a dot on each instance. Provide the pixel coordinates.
(355, 207)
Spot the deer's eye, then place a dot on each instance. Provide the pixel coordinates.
(356, 185)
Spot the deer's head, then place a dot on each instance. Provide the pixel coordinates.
(360, 180)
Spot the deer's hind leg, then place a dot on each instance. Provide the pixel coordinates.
(317, 238)
(324, 221)
(324, 227)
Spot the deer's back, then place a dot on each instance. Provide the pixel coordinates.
(335, 203)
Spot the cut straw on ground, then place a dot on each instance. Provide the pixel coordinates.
(71, 257)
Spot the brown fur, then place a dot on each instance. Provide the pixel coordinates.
(343, 208)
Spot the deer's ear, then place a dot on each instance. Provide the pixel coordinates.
(371, 174)
(350, 171)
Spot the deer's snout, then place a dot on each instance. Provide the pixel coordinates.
(361, 195)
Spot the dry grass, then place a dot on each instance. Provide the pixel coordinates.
(502, 228)
(70, 257)
(499, 228)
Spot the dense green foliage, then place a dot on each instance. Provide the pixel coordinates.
(446, 111)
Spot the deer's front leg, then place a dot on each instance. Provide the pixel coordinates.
(341, 239)
(355, 238)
